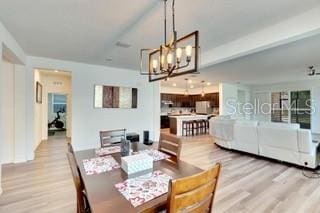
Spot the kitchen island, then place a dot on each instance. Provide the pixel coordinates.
(176, 122)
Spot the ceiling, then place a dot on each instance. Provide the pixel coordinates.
(55, 72)
(281, 64)
(86, 31)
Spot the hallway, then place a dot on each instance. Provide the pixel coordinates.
(43, 185)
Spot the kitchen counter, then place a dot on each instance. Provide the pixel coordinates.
(176, 122)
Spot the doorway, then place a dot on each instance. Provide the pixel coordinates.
(57, 114)
(53, 107)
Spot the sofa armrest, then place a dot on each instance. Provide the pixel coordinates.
(305, 143)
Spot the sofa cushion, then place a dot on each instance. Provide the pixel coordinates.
(279, 125)
(222, 128)
(305, 144)
(279, 136)
(245, 136)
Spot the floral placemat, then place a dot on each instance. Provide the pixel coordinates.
(100, 164)
(155, 154)
(108, 150)
(142, 189)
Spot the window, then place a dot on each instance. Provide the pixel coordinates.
(301, 108)
(280, 107)
(59, 103)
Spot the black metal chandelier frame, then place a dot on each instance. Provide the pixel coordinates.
(176, 68)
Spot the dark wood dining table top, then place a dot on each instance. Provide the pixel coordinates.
(104, 197)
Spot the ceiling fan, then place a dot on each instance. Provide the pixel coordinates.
(312, 71)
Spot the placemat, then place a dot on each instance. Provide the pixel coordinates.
(142, 189)
(155, 154)
(108, 150)
(100, 164)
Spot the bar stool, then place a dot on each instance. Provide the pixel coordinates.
(207, 126)
(201, 126)
(187, 128)
(195, 127)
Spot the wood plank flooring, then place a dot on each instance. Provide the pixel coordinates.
(248, 184)
(43, 185)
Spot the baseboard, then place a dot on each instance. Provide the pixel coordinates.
(20, 160)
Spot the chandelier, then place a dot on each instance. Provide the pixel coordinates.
(177, 57)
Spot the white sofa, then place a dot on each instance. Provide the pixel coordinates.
(284, 142)
(222, 129)
(245, 137)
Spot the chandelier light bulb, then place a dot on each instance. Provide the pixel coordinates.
(169, 58)
(154, 64)
(162, 60)
(179, 53)
(202, 93)
(189, 50)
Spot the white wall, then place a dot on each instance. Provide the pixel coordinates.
(88, 121)
(263, 92)
(38, 112)
(231, 100)
(12, 51)
(7, 113)
(1, 124)
(20, 121)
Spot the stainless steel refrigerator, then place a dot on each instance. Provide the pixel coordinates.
(203, 107)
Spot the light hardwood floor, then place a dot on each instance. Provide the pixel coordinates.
(43, 185)
(248, 184)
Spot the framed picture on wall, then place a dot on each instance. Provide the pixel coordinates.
(115, 97)
(38, 93)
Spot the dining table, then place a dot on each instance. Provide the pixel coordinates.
(104, 197)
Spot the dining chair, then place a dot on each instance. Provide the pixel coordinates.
(111, 137)
(171, 145)
(194, 193)
(82, 201)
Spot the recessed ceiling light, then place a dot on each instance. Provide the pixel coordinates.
(190, 81)
(208, 83)
(191, 86)
(56, 71)
(174, 84)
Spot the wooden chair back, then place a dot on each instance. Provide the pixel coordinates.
(107, 138)
(171, 145)
(81, 204)
(194, 193)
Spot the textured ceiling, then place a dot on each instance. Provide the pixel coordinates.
(284, 63)
(86, 31)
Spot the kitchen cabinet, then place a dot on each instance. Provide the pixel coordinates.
(181, 100)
